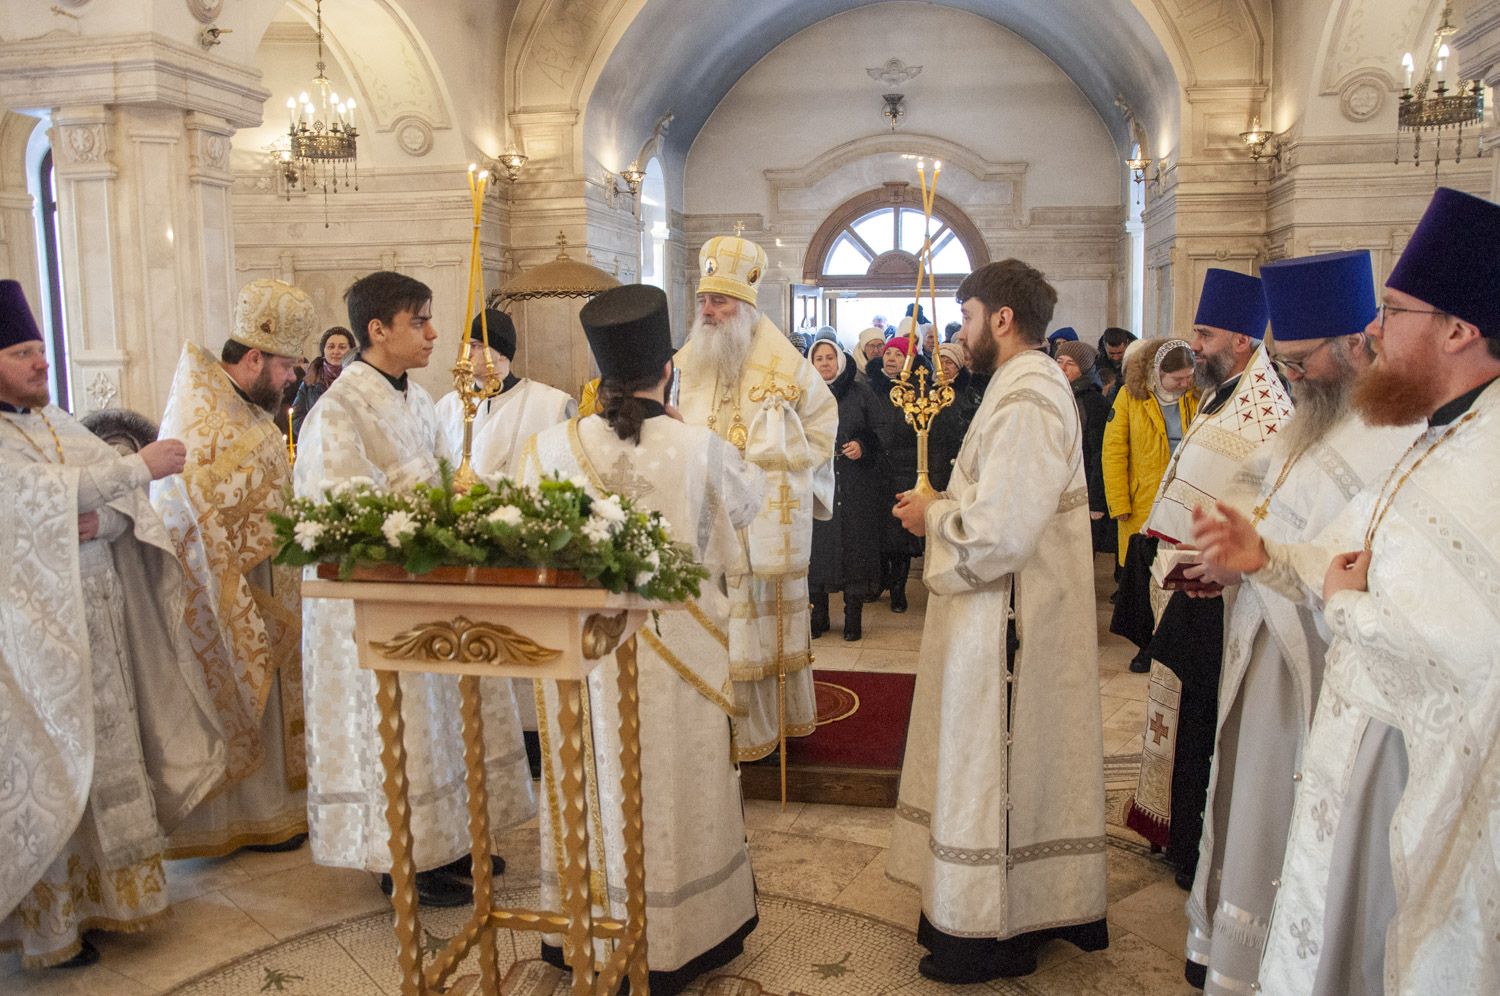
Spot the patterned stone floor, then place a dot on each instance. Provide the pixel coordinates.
(831, 923)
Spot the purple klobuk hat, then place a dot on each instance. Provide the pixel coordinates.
(16, 323)
(1453, 259)
(1232, 301)
(1319, 297)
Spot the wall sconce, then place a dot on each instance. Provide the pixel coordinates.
(1256, 140)
(1138, 167)
(284, 165)
(894, 109)
(511, 164)
(633, 175)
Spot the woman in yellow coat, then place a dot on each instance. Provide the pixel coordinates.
(1152, 410)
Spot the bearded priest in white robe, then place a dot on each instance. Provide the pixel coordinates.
(700, 895)
(1274, 647)
(742, 378)
(1000, 816)
(108, 733)
(244, 614)
(376, 426)
(1392, 874)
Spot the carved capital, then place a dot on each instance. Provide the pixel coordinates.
(601, 633)
(460, 641)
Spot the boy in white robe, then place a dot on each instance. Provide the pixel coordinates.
(523, 407)
(700, 895)
(1000, 817)
(374, 425)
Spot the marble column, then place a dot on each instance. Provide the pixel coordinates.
(1478, 47)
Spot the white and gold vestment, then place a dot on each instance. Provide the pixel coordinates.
(784, 419)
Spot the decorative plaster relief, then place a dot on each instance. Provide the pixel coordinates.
(1219, 38)
(1362, 97)
(894, 72)
(102, 391)
(1369, 35)
(557, 52)
(205, 10)
(414, 135)
(390, 64)
(84, 144)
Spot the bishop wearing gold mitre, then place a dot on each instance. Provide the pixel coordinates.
(742, 378)
(244, 615)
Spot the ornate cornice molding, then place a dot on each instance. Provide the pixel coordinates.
(52, 72)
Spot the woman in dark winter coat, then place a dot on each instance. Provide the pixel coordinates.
(335, 349)
(845, 556)
(1077, 360)
(898, 442)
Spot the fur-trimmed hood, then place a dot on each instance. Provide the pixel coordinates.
(1140, 367)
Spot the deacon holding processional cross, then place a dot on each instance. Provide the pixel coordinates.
(742, 378)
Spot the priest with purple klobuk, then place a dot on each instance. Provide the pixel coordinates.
(742, 378)
(106, 726)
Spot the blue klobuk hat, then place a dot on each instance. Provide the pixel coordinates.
(1232, 301)
(1453, 259)
(1065, 334)
(1319, 297)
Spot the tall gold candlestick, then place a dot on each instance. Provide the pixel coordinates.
(291, 440)
(469, 393)
(919, 404)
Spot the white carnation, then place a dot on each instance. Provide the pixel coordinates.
(506, 515)
(608, 509)
(579, 481)
(307, 534)
(596, 529)
(398, 525)
(644, 578)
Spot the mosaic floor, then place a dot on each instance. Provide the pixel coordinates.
(831, 923)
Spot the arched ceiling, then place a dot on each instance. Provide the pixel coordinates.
(665, 62)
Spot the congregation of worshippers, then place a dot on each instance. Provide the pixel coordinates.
(1295, 495)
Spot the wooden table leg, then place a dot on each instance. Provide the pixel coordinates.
(479, 826)
(634, 813)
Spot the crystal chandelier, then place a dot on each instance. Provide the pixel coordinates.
(1429, 108)
(322, 134)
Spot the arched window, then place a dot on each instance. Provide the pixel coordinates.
(871, 242)
(654, 229)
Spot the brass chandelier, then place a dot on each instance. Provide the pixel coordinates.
(1431, 109)
(322, 135)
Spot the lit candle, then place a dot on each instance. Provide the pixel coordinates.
(1408, 64)
(291, 440)
(291, 113)
(351, 114)
(463, 330)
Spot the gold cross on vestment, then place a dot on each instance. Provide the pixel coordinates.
(790, 393)
(1259, 512)
(732, 255)
(1158, 729)
(787, 504)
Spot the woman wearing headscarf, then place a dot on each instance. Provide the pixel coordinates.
(871, 345)
(845, 552)
(334, 347)
(946, 433)
(898, 443)
(1150, 414)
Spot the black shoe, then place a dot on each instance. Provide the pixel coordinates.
(86, 956)
(464, 866)
(1184, 879)
(1195, 974)
(819, 615)
(999, 967)
(434, 888)
(1140, 664)
(853, 621)
(290, 844)
(898, 598)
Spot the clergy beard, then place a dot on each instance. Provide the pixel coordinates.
(263, 393)
(1320, 405)
(727, 343)
(1395, 395)
(984, 352)
(1210, 372)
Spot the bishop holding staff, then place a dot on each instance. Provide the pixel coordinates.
(1000, 818)
(244, 615)
(744, 380)
(375, 426)
(108, 733)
